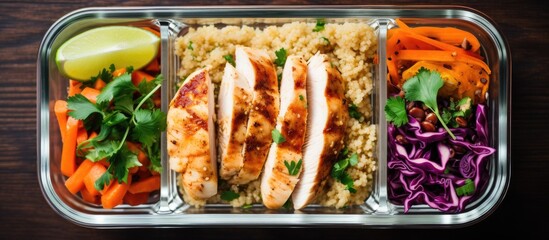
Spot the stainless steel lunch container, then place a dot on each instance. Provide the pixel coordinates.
(169, 210)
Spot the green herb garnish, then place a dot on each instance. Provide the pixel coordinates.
(281, 56)
(293, 168)
(277, 136)
(247, 206)
(467, 189)
(326, 40)
(230, 59)
(122, 112)
(229, 195)
(190, 46)
(424, 87)
(302, 98)
(353, 111)
(319, 25)
(340, 167)
(395, 111)
(288, 204)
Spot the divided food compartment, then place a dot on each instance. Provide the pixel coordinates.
(167, 209)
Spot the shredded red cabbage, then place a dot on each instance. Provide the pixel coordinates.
(423, 170)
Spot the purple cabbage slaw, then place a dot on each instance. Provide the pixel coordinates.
(416, 169)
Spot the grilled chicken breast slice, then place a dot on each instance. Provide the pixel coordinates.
(191, 135)
(328, 115)
(283, 165)
(235, 96)
(260, 72)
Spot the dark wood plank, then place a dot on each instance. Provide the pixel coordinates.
(25, 214)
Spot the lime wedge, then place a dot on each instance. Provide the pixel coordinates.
(84, 55)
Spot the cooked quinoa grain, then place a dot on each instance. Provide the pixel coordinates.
(351, 46)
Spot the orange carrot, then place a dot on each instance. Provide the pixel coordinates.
(96, 171)
(88, 197)
(138, 76)
(441, 56)
(92, 135)
(141, 156)
(61, 111)
(91, 94)
(75, 182)
(115, 194)
(450, 35)
(99, 84)
(68, 153)
(153, 66)
(145, 185)
(81, 136)
(74, 87)
(136, 199)
(119, 72)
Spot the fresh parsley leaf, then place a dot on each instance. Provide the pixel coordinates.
(81, 108)
(279, 77)
(114, 118)
(247, 206)
(281, 56)
(123, 160)
(148, 125)
(153, 152)
(129, 69)
(353, 111)
(326, 40)
(395, 111)
(339, 169)
(119, 86)
(190, 46)
(301, 98)
(124, 104)
(102, 150)
(467, 189)
(112, 68)
(353, 160)
(293, 167)
(103, 181)
(277, 136)
(446, 116)
(424, 87)
(288, 205)
(229, 195)
(319, 25)
(348, 182)
(230, 59)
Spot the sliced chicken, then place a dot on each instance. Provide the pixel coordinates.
(235, 96)
(283, 165)
(328, 115)
(260, 72)
(191, 135)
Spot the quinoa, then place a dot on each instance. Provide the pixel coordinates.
(351, 47)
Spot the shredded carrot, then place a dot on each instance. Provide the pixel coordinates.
(145, 185)
(91, 94)
(441, 56)
(115, 194)
(60, 109)
(68, 154)
(96, 171)
(136, 199)
(76, 181)
(450, 35)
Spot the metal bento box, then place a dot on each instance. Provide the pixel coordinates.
(168, 209)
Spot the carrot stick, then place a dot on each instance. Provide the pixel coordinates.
(136, 199)
(146, 185)
(115, 194)
(153, 66)
(138, 76)
(88, 197)
(68, 153)
(141, 156)
(441, 56)
(60, 109)
(74, 87)
(91, 94)
(99, 84)
(76, 181)
(96, 171)
(119, 72)
(81, 136)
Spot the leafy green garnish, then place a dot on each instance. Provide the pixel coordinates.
(326, 40)
(229, 195)
(424, 87)
(319, 25)
(230, 59)
(302, 98)
(467, 189)
(340, 167)
(247, 206)
(277, 136)
(281, 56)
(288, 205)
(395, 111)
(122, 112)
(190, 46)
(293, 168)
(462, 108)
(353, 111)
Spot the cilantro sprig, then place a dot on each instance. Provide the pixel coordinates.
(229, 58)
(395, 111)
(467, 189)
(281, 56)
(339, 169)
(277, 136)
(229, 195)
(319, 25)
(122, 112)
(293, 167)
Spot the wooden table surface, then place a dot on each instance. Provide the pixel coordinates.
(24, 213)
